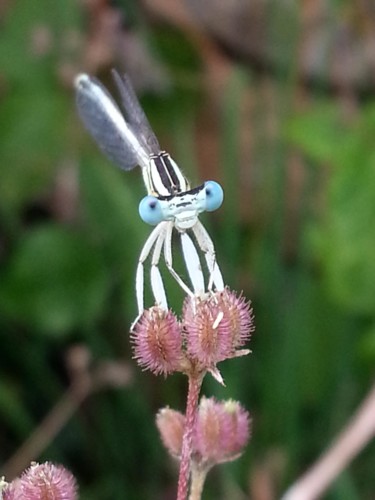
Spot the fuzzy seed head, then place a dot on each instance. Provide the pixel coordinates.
(216, 326)
(157, 341)
(11, 491)
(207, 430)
(46, 482)
(238, 312)
(207, 330)
(222, 430)
(235, 428)
(171, 425)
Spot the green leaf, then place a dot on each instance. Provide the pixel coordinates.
(31, 141)
(366, 348)
(54, 281)
(319, 133)
(345, 239)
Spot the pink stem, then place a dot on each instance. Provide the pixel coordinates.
(195, 383)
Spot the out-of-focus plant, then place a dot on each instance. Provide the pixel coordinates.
(212, 329)
(344, 241)
(47, 480)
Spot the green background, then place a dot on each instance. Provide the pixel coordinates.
(296, 233)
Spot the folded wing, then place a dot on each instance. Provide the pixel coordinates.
(101, 116)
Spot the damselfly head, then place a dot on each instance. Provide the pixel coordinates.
(182, 209)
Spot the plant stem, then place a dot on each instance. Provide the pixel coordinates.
(198, 477)
(352, 439)
(195, 383)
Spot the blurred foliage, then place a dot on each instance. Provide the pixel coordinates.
(299, 240)
(346, 238)
(64, 287)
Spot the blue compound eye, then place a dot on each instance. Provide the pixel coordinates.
(214, 195)
(150, 210)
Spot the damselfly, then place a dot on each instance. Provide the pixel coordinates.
(128, 140)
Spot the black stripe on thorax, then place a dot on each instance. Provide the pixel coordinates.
(171, 171)
(167, 173)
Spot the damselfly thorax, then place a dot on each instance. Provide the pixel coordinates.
(128, 140)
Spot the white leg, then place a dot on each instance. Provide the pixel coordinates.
(139, 288)
(158, 288)
(139, 280)
(169, 260)
(193, 264)
(206, 245)
(157, 285)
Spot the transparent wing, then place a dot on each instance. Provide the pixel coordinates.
(135, 115)
(103, 119)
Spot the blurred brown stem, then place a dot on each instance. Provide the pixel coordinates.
(47, 430)
(85, 382)
(354, 437)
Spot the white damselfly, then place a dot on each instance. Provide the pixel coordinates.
(127, 139)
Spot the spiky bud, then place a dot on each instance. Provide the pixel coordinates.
(207, 332)
(171, 425)
(238, 312)
(43, 482)
(10, 491)
(221, 432)
(216, 326)
(157, 341)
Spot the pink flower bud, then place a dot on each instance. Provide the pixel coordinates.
(207, 439)
(208, 334)
(46, 481)
(11, 491)
(222, 430)
(171, 425)
(217, 326)
(237, 310)
(157, 341)
(235, 429)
